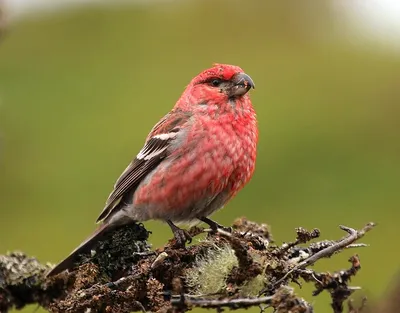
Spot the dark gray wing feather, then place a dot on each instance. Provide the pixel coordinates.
(135, 172)
(153, 152)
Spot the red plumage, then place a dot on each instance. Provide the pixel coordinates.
(194, 160)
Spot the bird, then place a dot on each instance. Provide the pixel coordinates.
(194, 160)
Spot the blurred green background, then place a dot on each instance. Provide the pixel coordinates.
(80, 90)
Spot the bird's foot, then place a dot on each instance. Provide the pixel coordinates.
(215, 226)
(181, 236)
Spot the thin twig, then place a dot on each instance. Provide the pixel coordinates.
(357, 245)
(352, 237)
(215, 303)
(114, 284)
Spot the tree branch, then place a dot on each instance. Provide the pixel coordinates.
(227, 269)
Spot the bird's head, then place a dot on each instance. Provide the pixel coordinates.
(221, 83)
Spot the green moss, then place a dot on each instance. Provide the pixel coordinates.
(253, 286)
(209, 274)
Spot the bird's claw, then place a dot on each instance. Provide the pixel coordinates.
(181, 238)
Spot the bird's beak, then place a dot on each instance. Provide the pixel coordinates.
(242, 83)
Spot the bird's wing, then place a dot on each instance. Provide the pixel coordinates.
(154, 151)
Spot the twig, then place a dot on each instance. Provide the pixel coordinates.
(303, 236)
(216, 303)
(352, 237)
(283, 300)
(118, 283)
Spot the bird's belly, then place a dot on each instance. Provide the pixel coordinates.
(195, 182)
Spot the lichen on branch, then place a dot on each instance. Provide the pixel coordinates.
(236, 269)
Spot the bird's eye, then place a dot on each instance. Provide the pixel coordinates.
(216, 82)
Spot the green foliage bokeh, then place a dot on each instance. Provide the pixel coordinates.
(79, 91)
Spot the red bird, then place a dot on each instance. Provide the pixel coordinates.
(195, 159)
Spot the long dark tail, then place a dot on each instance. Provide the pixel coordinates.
(69, 261)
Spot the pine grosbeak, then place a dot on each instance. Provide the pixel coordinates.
(195, 159)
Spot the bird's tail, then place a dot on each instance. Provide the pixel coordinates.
(69, 261)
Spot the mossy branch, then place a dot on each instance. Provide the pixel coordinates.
(235, 270)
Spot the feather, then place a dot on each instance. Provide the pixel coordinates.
(153, 152)
(69, 261)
